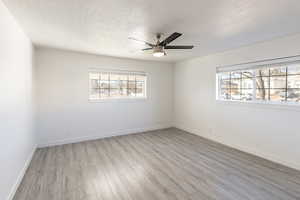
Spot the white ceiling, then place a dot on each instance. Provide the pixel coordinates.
(103, 26)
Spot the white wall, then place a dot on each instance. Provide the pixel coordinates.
(268, 131)
(17, 141)
(64, 113)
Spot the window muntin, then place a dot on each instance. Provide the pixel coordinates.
(117, 85)
(267, 84)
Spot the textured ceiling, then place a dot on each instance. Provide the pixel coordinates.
(103, 26)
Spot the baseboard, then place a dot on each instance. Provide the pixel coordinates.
(21, 175)
(255, 152)
(190, 130)
(106, 135)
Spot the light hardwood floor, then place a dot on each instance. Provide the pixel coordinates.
(168, 164)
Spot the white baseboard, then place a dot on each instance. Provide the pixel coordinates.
(106, 135)
(21, 175)
(256, 152)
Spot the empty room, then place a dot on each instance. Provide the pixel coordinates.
(149, 100)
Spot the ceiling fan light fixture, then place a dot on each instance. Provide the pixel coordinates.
(158, 51)
(158, 54)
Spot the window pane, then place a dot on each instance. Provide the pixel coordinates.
(140, 92)
(225, 94)
(123, 77)
(131, 84)
(104, 76)
(104, 84)
(236, 75)
(123, 92)
(114, 93)
(114, 77)
(123, 84)
(262, 72)
(262, 94)
(294, 81)
(294, 69)
(225, 83)
(140, 77)
(262, 82)
(95, 83)
(131, 92)
(277, 95)
(224, 75)
(235, 94)
(277, 71)
(140, 88)
(235, 83)
(293, 95)
(247, 83)
(247, 74)
(104, 93)
(247, 95)
(114, 84)
(131, 77)
(278, 82)
(140, 84)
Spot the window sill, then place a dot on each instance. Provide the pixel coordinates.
(118, 100)
(259, 104)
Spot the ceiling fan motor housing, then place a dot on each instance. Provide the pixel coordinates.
(158, 48)
(158, 51)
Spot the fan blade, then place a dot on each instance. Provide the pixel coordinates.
(144, 42)
(179, 47)
(170, 39)
(146, 49)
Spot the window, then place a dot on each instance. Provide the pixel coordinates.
(270, 83)
(117, 85)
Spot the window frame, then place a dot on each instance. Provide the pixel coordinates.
(118, 99)
(269, 66)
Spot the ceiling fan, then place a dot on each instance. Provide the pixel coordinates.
(160, 46)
